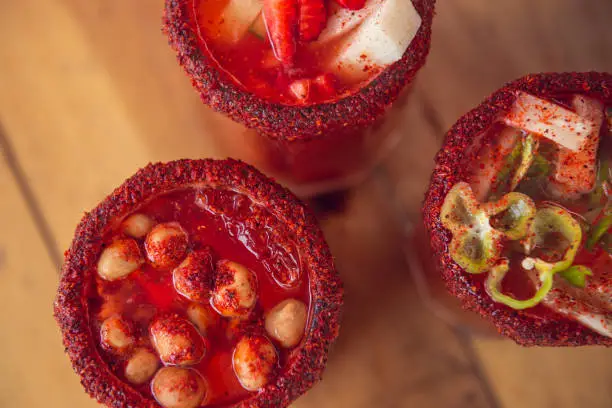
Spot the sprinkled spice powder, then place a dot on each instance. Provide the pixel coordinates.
(523, 236)
(346, 111)
(198, 283)
(320, 116)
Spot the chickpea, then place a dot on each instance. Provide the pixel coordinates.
(175, 387)
(116, 334)
(286, 322)
(119, 259)
(193, 277)
(137, 225)
(166, 245)
(235, 289)
(176, 340)
(141, 366)
(254, 361)
(201, 316)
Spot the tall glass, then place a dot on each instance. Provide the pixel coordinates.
(475, 150)
(312, 149)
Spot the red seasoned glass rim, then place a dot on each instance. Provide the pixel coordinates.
(307, 361)
(286, 122)
(450, 168)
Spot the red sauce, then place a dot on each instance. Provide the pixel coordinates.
(250, 61)
(237, 229)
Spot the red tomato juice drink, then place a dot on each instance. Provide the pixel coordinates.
(198, 283)
(314, 80)
(519, 210)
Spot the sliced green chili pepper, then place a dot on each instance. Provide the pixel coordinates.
(555, 219)
(459, 207)
(530, 146)
(513, 215)
(576, 275)
(517, 163)
(476, 245)
(502, 179)
(479, 229)
(599, 229)
(547, 220)
(476, 250)
(539, 167)
(494, 281)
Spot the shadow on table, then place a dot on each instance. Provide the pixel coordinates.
(391, 351)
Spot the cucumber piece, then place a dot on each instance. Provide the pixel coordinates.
(378, 41)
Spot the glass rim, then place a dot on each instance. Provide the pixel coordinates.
(288, 122)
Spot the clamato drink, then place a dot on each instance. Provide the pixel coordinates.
(519, 210)
(314, 80)
(196, 284)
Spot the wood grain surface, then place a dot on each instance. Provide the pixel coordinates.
(34, 371)
(90, 91)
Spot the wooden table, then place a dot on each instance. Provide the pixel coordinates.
(89, 92)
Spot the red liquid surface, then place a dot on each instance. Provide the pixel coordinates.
(251, 61)
(238, 230)
(449, 308)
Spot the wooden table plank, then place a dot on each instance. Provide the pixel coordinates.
(95, 34)
(89, 91)
(35, 373)
(83, 110)
(477, 46)
(391, 352)
(65, 110)
(548, 377)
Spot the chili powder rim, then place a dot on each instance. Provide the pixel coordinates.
(450, 168)
(307, 362)
(292, 122)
